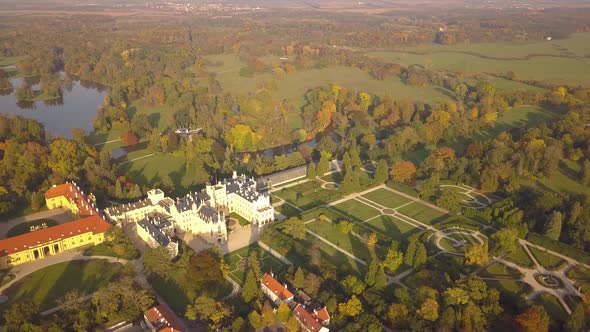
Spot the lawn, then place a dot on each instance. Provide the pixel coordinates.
(46, 286)
(348, 242)
(548, 261)
(511, 290)
(386, 198)
(308, 195)
(26, 227)
(559, 247)
(268, 262)
(579, 273)
(287, 210)
(294, 86)
(355, 210)
(396, 229)
(459, 221)
(564, 181)
(422, 213)
(239, 218)
(520, 257)
(557, 61)
(499, 270)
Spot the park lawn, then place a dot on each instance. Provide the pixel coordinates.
(268, 262)
(520, 257)
(516, 117)
(499, 270)
(395, 228)
(559, 247)
(348, 242)
(408, 190)
(459, 221)
(294, 86)
(239, 218)
(158, 115)
(287, 210)
(558, 61)
(341, 261)
(579, 273)
(356, 211)
(308, 195)
(552, 305)
(25, 227)
(422, 213)
(46, 286)
(511, 290)
(386, 198)
(565, 181)
(548, 261)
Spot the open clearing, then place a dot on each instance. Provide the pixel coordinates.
(557, 61)
(46, 286)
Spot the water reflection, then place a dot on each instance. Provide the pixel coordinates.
(75, 109)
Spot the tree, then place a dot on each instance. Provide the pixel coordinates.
(411, 251)
(381, 173)
(255, 320)
(283, 312)
(65, 160)
(311, 173)
(450, 199)
(393, 260)
(577, 320)
(476, 255)
(294, 227)
(421, 255)
(208, 310)
(506, 238)
(324, 163)
(534, 319)
(352, 285)
(344, 226)
(397, 313)
(372, 239)
(428, 310)
(19, 315)
(455, 296)
(375, 276)
(299, 279)
(237, 325)
(157, 261)
(553, 225)
(585, 172)
(403, 171)
(250, 289)
(351, 308)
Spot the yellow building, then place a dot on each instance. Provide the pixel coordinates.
(89, 230)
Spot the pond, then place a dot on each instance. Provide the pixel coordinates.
(76, 109)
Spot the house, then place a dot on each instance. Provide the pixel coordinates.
(88, 229)
(275, 291)
(315, 321)
(162, 319)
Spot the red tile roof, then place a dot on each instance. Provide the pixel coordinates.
(279, 290)
(163, 320)
(94, 224)
(91, 221)
(322, 315)
(307, 319)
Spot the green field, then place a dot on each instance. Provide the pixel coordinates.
(355, 210)
(46, 286)
(552, 305)
(579, 273)
(348, 242)
(308, 195)
(557, 61)
(26, 227)
(548, 261)
(422, 213)
(499, 270)
(268, 262)
(293, 86)
(386, 198)
(520, 257)
(565, 180)
(394, 228)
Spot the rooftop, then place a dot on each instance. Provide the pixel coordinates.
(311, 321)
(163, 319)
(274, 286)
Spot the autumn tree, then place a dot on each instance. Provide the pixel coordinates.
(534, 319)
(299, 278)
(403, 171)
(352, 285)
(450, 199)
(294, 227)
(476, 254)
(208, 310)
(507, 238)
(250, 289)
(350, 308)
(428, 310)
(553, 225)
(393, 259)
(381, 172)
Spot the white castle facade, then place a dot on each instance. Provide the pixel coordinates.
(203, 213)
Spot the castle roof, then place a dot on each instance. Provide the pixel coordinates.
(309, 320)
(156, 228)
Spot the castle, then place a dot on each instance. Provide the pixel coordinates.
(88, 229)
(202, 213)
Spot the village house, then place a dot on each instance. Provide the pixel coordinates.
(275, 291)
(161, 319)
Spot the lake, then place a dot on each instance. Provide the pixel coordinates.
(77, 108)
